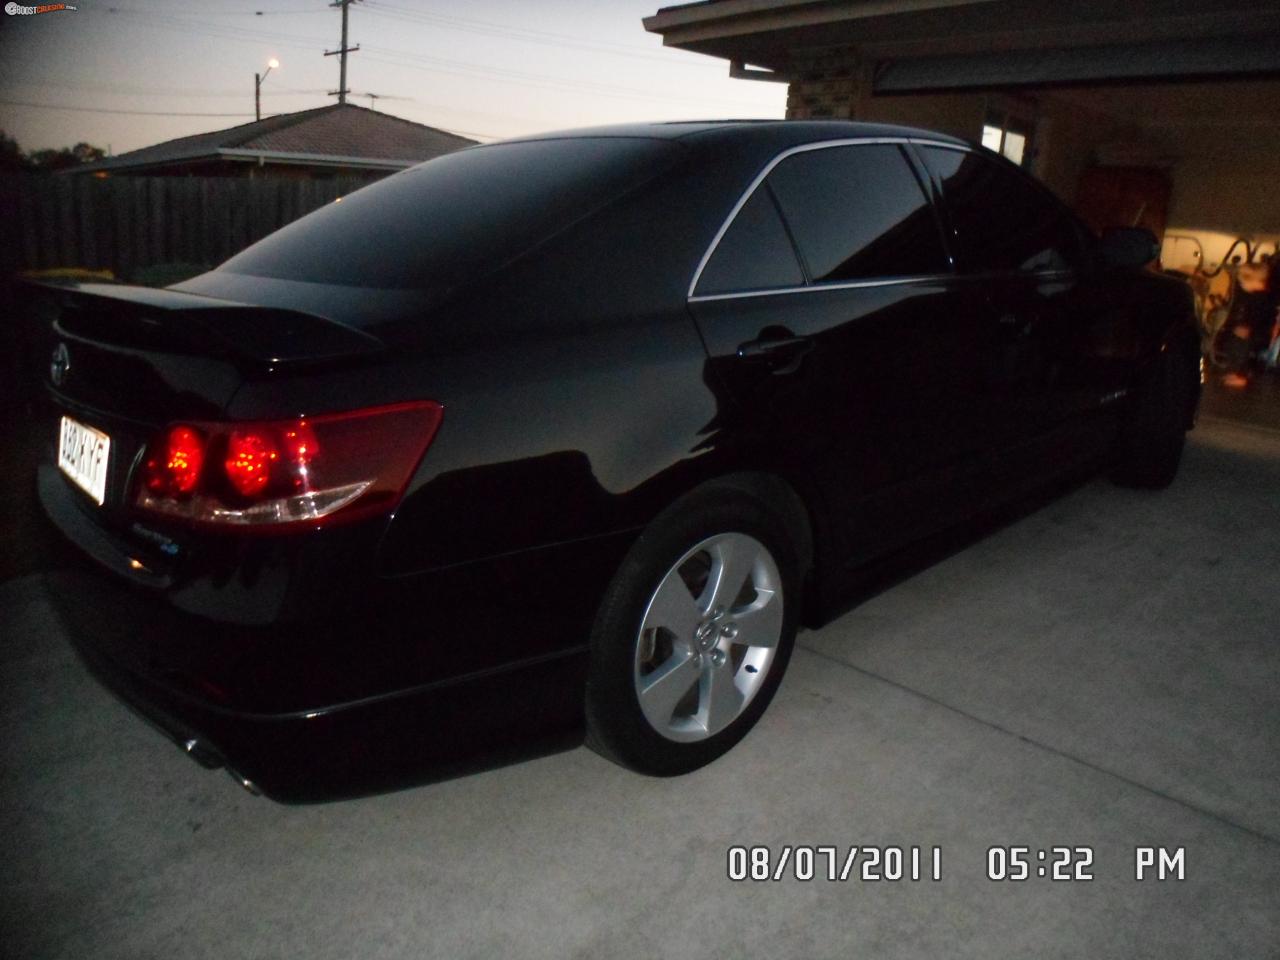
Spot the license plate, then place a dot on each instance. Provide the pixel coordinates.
(82, 456)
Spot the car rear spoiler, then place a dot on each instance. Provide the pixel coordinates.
(145, 318)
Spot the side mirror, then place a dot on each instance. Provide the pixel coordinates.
(1127, 247)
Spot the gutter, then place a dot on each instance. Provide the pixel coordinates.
(259, 157)
(733, 18)
(316, 159)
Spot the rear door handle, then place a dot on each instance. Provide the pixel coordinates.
(782, 353)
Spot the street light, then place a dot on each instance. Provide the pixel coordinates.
(257, 87)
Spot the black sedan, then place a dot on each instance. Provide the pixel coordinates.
(573, 433)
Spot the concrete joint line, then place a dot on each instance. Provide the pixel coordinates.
(1047, 747)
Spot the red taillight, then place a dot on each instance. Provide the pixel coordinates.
(288, 472)
(174, 468)
(250, 456)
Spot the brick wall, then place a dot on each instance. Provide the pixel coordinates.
(825, 84)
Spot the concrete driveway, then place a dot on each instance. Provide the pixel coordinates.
(1104, 673)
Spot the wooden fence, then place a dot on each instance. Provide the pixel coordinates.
(124, 224)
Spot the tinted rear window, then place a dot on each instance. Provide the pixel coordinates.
(858, 212)
(455, 217)
(755, 252)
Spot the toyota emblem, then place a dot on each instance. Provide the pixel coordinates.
(60, 365)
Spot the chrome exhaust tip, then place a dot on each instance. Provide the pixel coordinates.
(245, 782)
(202, 754)
(210, 759)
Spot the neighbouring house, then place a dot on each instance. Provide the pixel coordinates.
(339, 140)
(166, 211)
(1164, 114)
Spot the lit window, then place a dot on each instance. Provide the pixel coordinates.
(1015, 145)
(1007, 135)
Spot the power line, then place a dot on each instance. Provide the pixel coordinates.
(468, 22)
(399, 58)
(442, 66)
(223, 31)
(135, 113)
(121, 90)
(527, 35)
(225, 13)
(439, 65)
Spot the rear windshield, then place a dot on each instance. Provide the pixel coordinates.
(455, 217)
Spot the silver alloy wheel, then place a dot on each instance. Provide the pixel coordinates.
(708, 637)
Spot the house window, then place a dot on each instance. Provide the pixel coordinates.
(1008, 135)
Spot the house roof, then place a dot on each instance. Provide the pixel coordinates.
(340, 134)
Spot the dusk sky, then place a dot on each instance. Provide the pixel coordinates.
(138, 72)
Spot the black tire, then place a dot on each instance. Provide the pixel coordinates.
(617, 727)
(1149, 447)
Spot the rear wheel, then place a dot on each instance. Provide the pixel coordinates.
(693, 635)
(1149, 448)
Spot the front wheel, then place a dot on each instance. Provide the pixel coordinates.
(693, 635)
(1149, 448)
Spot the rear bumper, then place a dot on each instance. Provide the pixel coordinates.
(407, 680)
(399, 739)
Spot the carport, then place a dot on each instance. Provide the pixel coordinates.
(1163, 114)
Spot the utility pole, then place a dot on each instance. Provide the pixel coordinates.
(342, 52)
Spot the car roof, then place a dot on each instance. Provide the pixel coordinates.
(774, 133)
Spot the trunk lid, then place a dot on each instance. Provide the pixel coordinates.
(125, 361)
(154, 355)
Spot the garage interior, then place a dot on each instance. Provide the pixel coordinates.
(1163, 114)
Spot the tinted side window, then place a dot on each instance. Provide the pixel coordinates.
(754, 253)
(858, 212)
(1000, 220)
